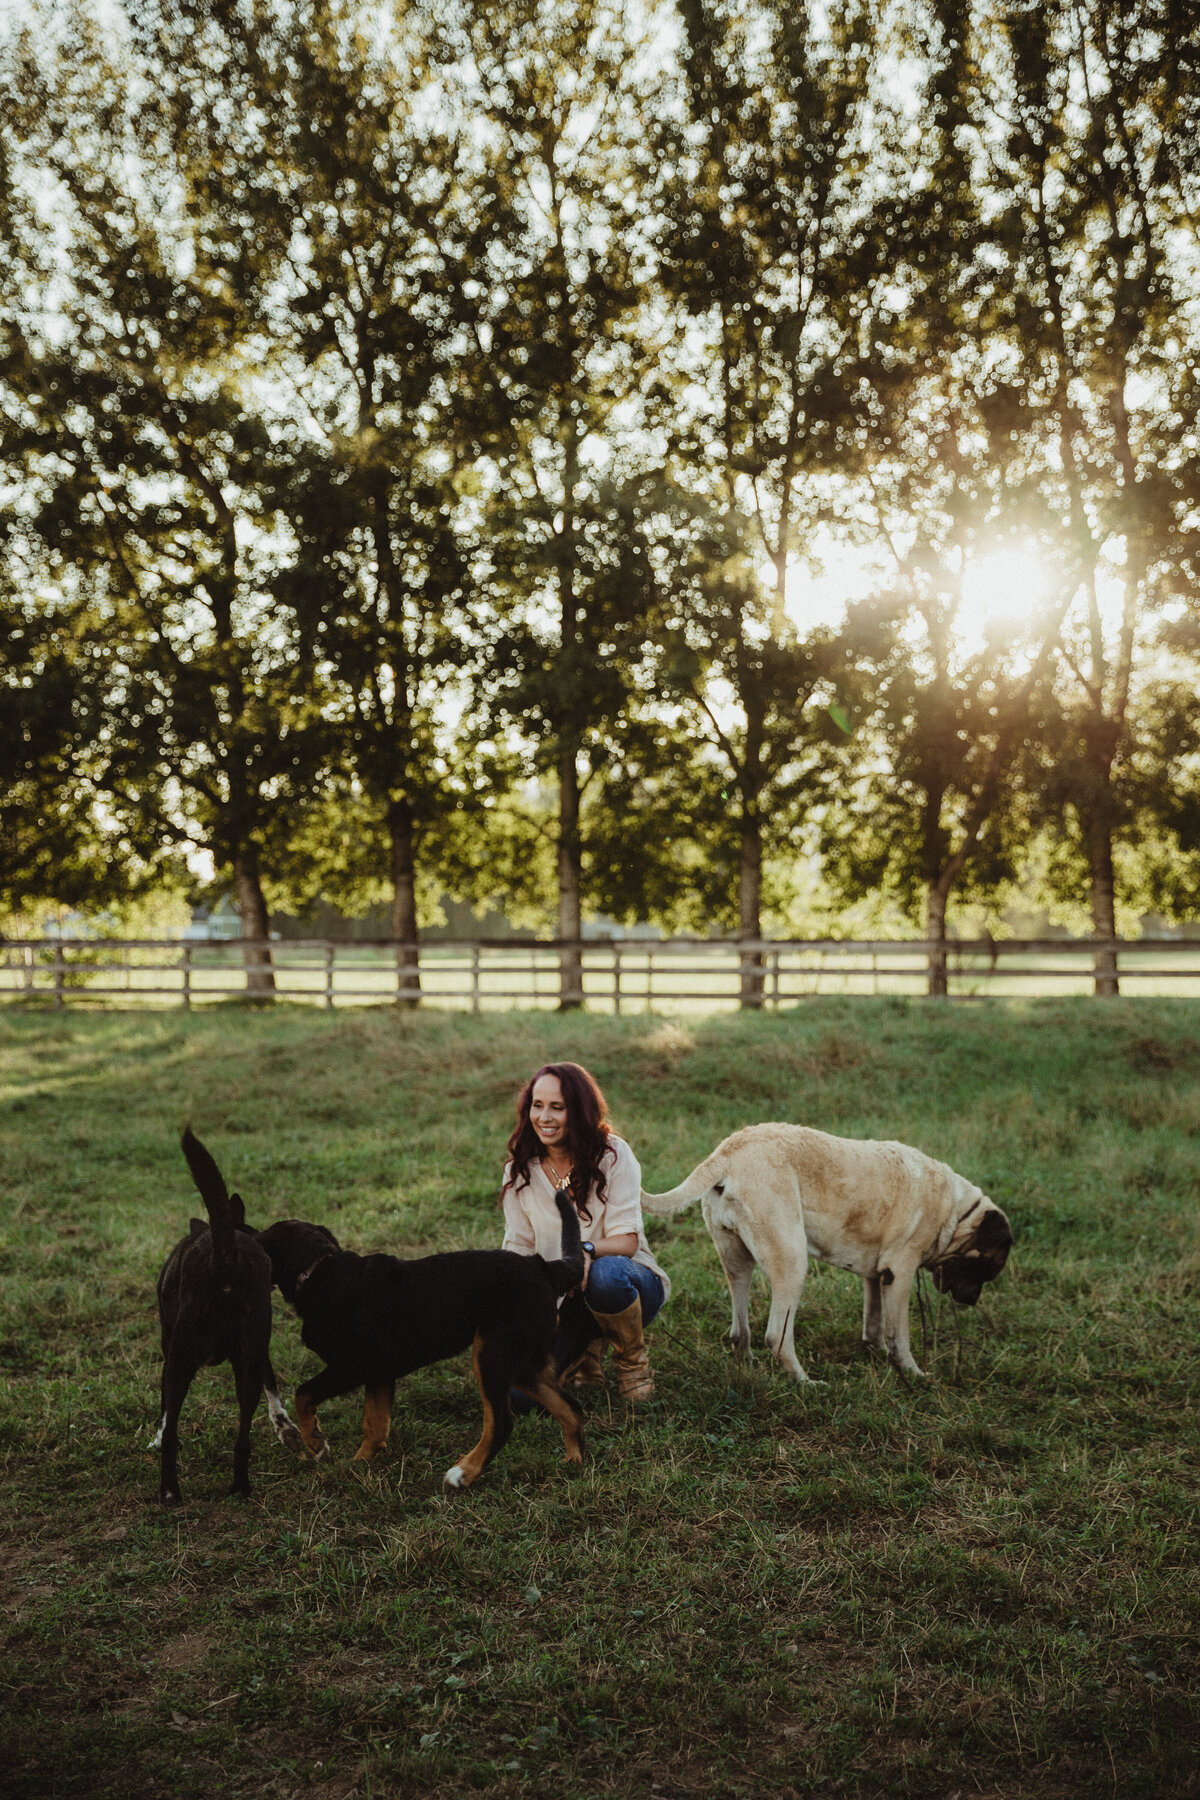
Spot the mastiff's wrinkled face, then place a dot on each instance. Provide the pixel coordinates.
(980, 1258)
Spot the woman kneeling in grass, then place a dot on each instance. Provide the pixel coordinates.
(563, 1143)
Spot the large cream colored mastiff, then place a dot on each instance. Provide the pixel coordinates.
(777, 1194)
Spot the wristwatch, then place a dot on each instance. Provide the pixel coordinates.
(590, 1248)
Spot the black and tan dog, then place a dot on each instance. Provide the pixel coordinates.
(214, 1306)
(374, 1319)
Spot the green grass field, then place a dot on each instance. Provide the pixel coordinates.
(982, 1585)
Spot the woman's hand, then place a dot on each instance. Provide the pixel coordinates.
(622, 1243)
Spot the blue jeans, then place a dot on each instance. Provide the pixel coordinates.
(614, 1283)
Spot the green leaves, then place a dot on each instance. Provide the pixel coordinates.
(429, 414)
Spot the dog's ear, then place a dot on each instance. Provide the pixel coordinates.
(197, 1227)
(237, 1208)
(267, 1241)
(993, 1239)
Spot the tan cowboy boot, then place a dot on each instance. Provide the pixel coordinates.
(624, 1332)
(588, 1369)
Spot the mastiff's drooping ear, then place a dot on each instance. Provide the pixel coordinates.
(980, 1259)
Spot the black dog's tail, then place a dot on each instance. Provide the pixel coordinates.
(225, 1211)
(568, 1273)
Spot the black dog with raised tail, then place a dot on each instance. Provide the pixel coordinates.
(214, 1305)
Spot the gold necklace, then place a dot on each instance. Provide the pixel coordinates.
(560, 1181)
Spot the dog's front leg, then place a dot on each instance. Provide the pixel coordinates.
(561, 1406)
(377, 1419)
(306, 1420)
(897, 1286)
(285, 1431)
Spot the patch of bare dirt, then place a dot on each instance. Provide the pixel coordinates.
(186, 1652)
(1152, 1055)
(665, 1047)
(835, 1054)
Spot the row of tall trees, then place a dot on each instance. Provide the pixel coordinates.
(418, 421)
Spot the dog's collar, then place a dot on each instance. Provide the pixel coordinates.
(953, 1245)
(303, 1277)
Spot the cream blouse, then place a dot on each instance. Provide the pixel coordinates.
(532, 1225)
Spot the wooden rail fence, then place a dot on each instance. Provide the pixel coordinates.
(618, 975)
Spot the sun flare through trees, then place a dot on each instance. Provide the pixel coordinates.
(709, 464)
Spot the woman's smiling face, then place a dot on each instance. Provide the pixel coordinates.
(548, 1112)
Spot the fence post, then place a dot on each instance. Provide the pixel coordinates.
(60, 969)
(616, 952)
(328, 977)
(29, 967)
(475, 978)
(775, 979)
(186, 966)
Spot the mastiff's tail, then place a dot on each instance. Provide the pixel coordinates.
(701, 1181)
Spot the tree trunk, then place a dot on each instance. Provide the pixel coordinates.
(1104, 919)
(256, 926)
(404, 902)
(935, 930)
(750, 913)
(570, 885)
(570, 858)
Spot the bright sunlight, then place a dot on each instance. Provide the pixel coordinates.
(999, 590)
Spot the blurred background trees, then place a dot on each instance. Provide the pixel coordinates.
(579, 459)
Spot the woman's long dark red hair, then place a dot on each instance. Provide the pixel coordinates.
(587, 1133)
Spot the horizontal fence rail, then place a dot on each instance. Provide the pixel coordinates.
(615, 975)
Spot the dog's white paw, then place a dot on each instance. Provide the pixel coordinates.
(455, 1477)
(288, 1436)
